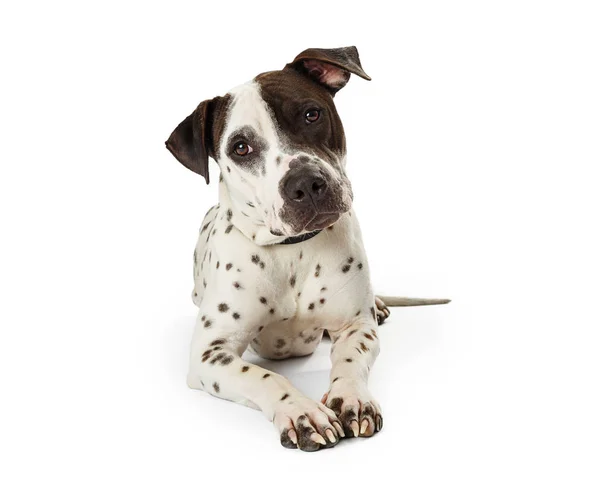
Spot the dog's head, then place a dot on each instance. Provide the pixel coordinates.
(279, 143)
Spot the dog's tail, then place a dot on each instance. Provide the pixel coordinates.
(399, 301)
(382, 304)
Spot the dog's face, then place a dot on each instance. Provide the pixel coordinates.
(279, 143)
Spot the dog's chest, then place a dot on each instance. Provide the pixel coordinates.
(289, 293)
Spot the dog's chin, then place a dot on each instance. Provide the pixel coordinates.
(322, 221)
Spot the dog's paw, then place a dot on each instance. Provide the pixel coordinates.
(381, 310)
(305, 424)
(359, 413)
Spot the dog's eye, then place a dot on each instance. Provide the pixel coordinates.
(312, 115)
(242, 149)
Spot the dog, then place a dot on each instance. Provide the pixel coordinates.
(280, 259)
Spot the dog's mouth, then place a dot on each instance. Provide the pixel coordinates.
(322, 221)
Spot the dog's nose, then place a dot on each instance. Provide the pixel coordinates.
(303, 186)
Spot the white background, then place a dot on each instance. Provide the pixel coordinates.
(473, 154)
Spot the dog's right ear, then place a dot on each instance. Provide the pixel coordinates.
(192, 142)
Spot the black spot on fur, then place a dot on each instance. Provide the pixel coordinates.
(228, 266)
(278, 160)
(284, 397)
(280, 343)
(262, 265)
(266, 376)
(215, 384)
(255, 258)
(336, 404)
(237, 285)
(323, 289)
(359, 265)
(216, 342)
(225, 361)
(352, 332)
(364, 347)
(229, 214)
(228, 229)
(284, 319)
(350, 260)
(322, 301)
(357, 313)
(345, 268)
(245, 369)
(223, 308)
(218, 264)
(218, 357)
(263, 300)
(208, 323)
(260, 328)
(236, 315)
(368, 336)
(317, 271)
(349, 360)
(373, 313)
(335, 380)
(250, 204)
(293, 281)
(311, 306)
(272, 311)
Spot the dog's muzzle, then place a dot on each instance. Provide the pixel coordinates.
(311, 199)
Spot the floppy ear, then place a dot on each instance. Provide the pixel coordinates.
(192, 141)
(330, 67)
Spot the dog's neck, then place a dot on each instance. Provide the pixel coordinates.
(246, 217)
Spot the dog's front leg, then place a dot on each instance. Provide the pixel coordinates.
(216, 367)
(353, 352)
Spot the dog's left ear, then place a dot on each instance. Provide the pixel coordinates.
(330, 67)
(192, 142)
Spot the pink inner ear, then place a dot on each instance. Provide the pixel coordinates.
(326, 73)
